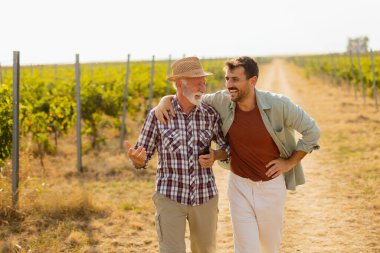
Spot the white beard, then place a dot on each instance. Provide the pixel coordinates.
(191, 96)
(192, 99)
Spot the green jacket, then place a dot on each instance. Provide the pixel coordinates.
(281, 118)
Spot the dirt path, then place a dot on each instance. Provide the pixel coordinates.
(331, 212)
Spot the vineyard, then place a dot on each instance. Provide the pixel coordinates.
(108, 208)
(47, 100)
(359, 73)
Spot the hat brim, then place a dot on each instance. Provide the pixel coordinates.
(176, 77)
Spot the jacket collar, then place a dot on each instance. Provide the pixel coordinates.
(261, 101)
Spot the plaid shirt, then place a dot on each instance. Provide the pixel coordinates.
(179, 143)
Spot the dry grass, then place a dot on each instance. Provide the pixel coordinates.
(108, 208)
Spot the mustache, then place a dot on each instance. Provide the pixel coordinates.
(198, 93)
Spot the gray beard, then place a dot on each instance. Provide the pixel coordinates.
(191, 97)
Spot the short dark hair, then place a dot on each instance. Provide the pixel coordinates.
(249, 64)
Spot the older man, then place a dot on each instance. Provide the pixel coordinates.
(185, 184)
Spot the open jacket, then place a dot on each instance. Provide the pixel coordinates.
(281, 118)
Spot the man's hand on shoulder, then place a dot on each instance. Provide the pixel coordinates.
(163, 109)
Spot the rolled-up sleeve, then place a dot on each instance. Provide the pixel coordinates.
(298, 119)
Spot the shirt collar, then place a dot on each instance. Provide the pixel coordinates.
(177, 107)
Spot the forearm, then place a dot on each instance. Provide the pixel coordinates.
(146, 143)
(296, 157)
(206, 161)
(220, 154)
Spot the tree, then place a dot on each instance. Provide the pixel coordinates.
(359, 44)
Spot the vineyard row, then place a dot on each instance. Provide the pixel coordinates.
(359, 71)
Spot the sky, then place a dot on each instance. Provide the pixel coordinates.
(53, 31)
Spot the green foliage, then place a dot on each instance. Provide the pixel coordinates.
(48, 100)
(47, 109)
(5, 122)
(343, 67)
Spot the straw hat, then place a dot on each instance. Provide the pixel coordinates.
(187, 68)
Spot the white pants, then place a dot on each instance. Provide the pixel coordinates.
(257, 210)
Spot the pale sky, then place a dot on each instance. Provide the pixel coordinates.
(52, 31)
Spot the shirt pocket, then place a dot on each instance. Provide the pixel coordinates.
(204, 139)
(280, 133)
(171, 139)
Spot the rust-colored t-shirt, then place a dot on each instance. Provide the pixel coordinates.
(252, 147)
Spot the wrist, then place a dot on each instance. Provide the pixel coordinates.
(139, 165)
(291, 163)
(219, 154)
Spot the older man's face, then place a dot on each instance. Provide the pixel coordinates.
(194, 88)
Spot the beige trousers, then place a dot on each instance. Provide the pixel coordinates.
(257, 210)
(171, 225)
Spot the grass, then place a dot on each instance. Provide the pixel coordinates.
(104, 209)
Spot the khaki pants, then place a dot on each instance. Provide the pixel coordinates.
(257, 210)
(171, 225)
